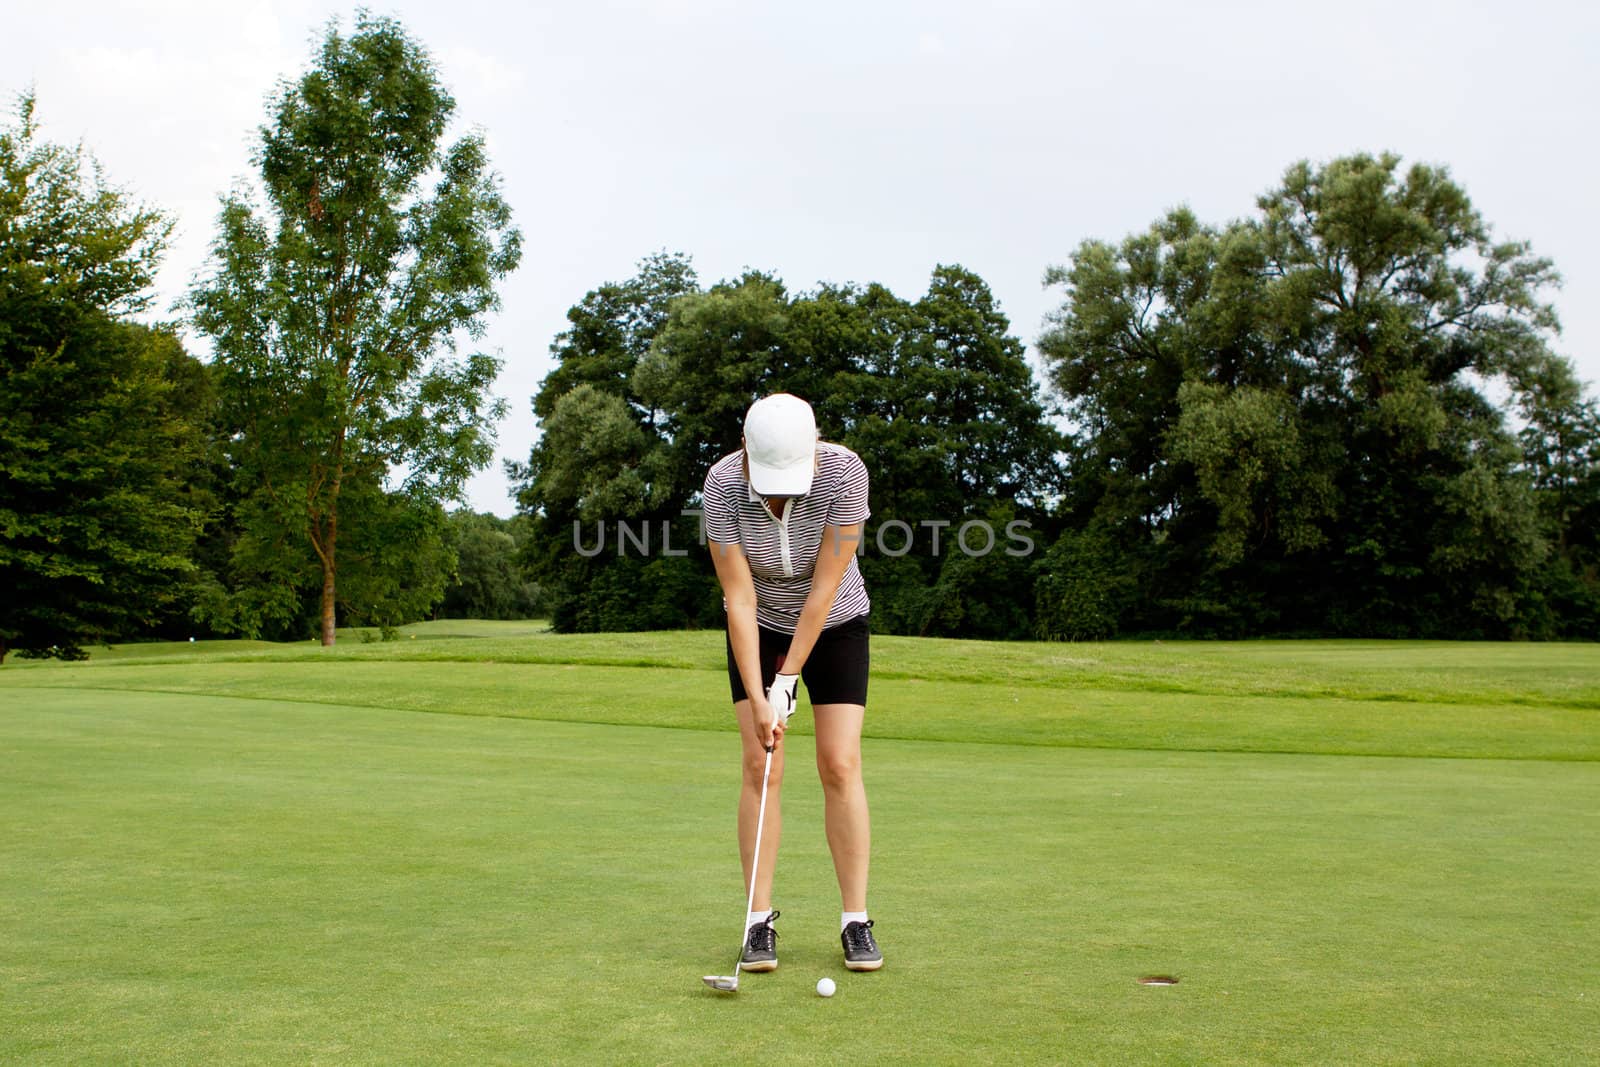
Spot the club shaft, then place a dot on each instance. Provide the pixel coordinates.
(755, 863)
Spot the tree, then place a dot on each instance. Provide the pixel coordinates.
(1279, 423)
(1560, 439)
(488, 583)
(335, 308)
(612, 328)
(602, 459)
(715, 354)
(100, 418)
(948, 418)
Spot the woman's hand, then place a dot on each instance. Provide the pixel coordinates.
(769, 724)
(781, 694)
(774, 707)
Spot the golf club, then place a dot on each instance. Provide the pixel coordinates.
(729, 983)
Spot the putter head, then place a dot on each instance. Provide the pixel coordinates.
(722, 983)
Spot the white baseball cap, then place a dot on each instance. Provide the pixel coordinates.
(780, 445)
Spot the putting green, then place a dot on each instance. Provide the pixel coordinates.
(204, 877)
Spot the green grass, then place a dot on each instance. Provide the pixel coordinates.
(265, 854)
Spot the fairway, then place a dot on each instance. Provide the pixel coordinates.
(486, 844)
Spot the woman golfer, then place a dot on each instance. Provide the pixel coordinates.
(784, 517)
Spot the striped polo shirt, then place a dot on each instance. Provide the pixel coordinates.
(783, 552)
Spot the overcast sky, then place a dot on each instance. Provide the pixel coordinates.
(862, 141)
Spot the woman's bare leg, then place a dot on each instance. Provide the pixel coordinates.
(844, 798)
(755, 760)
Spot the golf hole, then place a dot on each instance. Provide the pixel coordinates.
(1158, 979)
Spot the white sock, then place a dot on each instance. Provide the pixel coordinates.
(848, 917)
(756, 917)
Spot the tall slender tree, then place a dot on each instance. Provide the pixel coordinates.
(335, 304)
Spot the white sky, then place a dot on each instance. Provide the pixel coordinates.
(830, 141)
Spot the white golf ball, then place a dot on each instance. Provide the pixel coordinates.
(825, 987)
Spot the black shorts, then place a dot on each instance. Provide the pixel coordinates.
(835, 672)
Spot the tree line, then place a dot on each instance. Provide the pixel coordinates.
(1338, 416)
(1284, 425)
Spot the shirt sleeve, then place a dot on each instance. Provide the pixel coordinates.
(719, 511)
(850, 501)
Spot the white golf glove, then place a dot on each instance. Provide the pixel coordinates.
(781, 695)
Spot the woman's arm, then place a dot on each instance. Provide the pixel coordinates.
(833, 559)
(739, 590)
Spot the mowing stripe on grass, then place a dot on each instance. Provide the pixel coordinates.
(1483, 673)
(968, 712)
